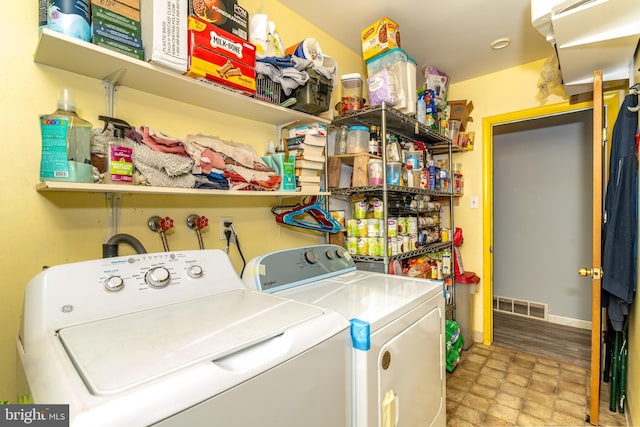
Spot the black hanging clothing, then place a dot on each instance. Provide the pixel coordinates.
(620, 217)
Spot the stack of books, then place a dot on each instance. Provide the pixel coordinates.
(307, 144)
(116, 25)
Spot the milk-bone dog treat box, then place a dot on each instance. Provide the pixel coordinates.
(221, 57)
(226, 14)
(382, 35)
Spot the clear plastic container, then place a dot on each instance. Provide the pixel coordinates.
(341, 140)
(375, 172)
(351, 93)
(394, 173)
(358, 140)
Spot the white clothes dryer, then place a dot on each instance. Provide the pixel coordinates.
(398, 340)
(176, 339)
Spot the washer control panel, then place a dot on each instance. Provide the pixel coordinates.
(79, 292)
(295, 267)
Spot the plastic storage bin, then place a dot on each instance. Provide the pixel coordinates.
(403, 67)
(358, 140)
(465, 285)
(315, 96)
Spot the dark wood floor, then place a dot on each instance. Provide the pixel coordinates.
(558, 342)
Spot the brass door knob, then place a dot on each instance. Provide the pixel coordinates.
(596, 273)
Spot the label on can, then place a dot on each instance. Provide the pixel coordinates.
(363, 246)
(360, 210)
(373, 246)
(352, 228)
(362, 228)
(373, 227)
(378, 209)
(352, 245)
(392, 227)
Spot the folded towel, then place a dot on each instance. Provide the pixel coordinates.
(163, 169)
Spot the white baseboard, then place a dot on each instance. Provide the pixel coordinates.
(567, 321)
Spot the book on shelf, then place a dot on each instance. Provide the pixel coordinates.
(309, 164)
(310, 186)
(308, 178)
(315, 140)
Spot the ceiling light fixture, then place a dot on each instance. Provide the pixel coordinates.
(500, 43)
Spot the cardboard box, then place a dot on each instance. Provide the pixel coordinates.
(381, 36)
(164, 33)
(120, 21)
(226, 14)
(131, 3)
(118, 47)
(119, 8)
(216, 39)
(116, 34)
(220, 69)
(460, 110)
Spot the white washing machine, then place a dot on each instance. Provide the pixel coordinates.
(398, 342)
(176, 339)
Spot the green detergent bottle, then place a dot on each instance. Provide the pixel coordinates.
(66, 143)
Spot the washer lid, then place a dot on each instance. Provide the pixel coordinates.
(114, 354)
(375, 298)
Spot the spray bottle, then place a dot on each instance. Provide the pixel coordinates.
(119, 153)
(66, 143)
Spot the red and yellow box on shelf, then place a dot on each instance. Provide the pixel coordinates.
(221, 57)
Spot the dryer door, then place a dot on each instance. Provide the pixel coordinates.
(411, 374)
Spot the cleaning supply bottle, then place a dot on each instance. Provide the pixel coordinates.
(119, 153)
(66, 143)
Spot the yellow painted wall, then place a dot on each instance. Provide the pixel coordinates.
(493, 94)
(54, 228)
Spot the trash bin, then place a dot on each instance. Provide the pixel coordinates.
(465, 285)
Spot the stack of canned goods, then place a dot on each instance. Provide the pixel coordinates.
(365, 231)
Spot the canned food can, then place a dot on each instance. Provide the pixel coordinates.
(412, 225)
(444, 235)
(363, 246)
(392, 243)
(373, 227)
(352, 245)
(392, 227)
(403, 224)
(406, 243)
(362, 228)
(373, 247)
(413, 241)
(352, 228)
(360, 210)
(378, 209)
(381, 246)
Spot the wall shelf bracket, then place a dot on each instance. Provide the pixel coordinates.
(111, 84)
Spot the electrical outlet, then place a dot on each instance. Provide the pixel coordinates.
(224, 219)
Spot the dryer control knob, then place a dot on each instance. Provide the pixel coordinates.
(330, 254)
(339, 253)
(195, 271)
(158, 277)
(114, 284)
(311, 257)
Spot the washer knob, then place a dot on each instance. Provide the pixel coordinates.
(158, 277)
(195, 271)
(114, 284)
(330, 254)
(311, 257)
(339, 253)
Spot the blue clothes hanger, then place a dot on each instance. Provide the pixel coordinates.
(323, 219)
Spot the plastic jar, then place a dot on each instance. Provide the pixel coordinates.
(394, 172)
(351, 93)
(375, 172)
(341, 140)
(358, 140)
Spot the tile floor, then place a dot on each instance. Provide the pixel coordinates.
(496, 386)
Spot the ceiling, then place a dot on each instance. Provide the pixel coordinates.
(453, 36)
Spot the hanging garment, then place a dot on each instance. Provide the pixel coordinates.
(620, 218)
